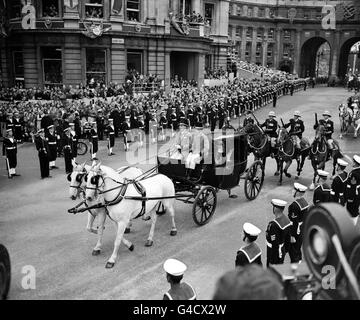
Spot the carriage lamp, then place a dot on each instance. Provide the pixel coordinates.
(319, 244)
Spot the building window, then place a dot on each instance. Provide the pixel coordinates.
(249, 12)
(15, 9)
(248, 49)
(249, 33)
(238, 31)
(286, 50)
(95, 66)
(270, 50)
(135, 62)
(258, 49)
(18, 67)
(185, 7)
(209, 13)
(271, 33)
(50, 8)
(133, 10)
(260, 34)
(238, 10)
(287, 35)
(261, 13)
(230, 31)
(94, 9)
(52, 65)
(238, 47)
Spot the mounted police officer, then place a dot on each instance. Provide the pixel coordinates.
(175, 270)
(271, 127)
(111, 136)
(296, 130)
(277, 234)
(250, 252)
(338, 186)
(352, 194)
(328, 127)
(10, 153)
(322, 191)
(297, 213)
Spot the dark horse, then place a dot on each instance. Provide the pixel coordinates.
(320, 153)
(287, 153)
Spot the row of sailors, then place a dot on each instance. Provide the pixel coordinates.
(284, 234)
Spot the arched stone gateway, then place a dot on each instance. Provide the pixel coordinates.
(344, 56)
(308, 56)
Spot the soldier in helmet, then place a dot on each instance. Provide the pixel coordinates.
(250, 252)
(296, 130)
(271, 127)
(328, 127)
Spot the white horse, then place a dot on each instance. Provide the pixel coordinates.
(124, 202)
(77, 191)
(345, 115)
(356, 120)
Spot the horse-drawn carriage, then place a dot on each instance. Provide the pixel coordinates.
(219, 171)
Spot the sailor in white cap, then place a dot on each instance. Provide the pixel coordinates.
(338, 186)
(278, 234)
(296, 131)
(322, 190)
(352, 194)
(111, 136)
(250, 252)
(271, 126)
(328, 128)
(10, 153)
(297, 212)
(94, 141)
(175, 270)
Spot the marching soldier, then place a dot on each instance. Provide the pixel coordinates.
(277, 234)
(274, 97)
(322, 191)
(18, 128)
(297, 213)
(67, 150)
(10, 153)
(296, 130)
(251, 252)
(174, 121)
(191, 116)
(175, 270)
(10, 122)
(199, 117)
(42, 148)
(51, 140)
(352, 194)
(126, 129)
(94, 141)
(338, 186)
(111, 137)
(213, 117)
(182, 116)
(271, 126)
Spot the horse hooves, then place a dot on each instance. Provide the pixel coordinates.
(173, 232)
(146, 218)
(96, 252)
(127, 231)
(149, 243)
(297, 178)
(287, 175)
(109, 265)
(233, 196)
(131, 248)
(276, 174)
(160, 212)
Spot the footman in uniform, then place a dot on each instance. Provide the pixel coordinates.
(322, 191)
(175, 270)
(251, 252)
(297, 213)
(338, 186)
(277, 234)
(10, 153)
(352, 194)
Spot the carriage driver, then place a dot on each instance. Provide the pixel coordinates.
(296, 129)
(329, 128)
(271, 126)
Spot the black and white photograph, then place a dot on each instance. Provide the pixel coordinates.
(189, 150)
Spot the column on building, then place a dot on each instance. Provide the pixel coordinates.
(201, 69)
(253, 45)
(73, 63)
(167, 72)
(335, 54)
(264, 47)
(156, 61)
(297, 51)
(278, 50)
(31, 70)
(118, 60)
(243, 43)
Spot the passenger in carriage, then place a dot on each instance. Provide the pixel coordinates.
(199, 149)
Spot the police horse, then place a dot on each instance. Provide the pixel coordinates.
(77, 180)
(126, 199)
(320, 153)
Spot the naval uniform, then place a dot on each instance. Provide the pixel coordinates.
(68, 154)
(297, 213)
(74, 143)
(277, 240)
(94, 140)
(10, 152)
(322, 194)
(338, 188)
(352, 194)
(183, 292)
(111, 136)
(248, 254)
(51, 140)
(18, 130)
(42, 149)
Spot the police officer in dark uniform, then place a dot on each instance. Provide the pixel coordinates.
(43, 153)
(297, 213)
(213, 117)
(67, 150)
(111, 136)
(163, 124)
(10, 153)
(199, 117)
(352, 193)
(271, 127)
(10, 122)
(278, 234)
(175, 270)
(182, 116)
(191, 116)
(174, 120)
(94, 141)
(338, 186)
(274, 97)
(329, 128)
(297, 129)
(18, 127)
(100, 123)
(322, 191)
(251, 252)
(51, 140)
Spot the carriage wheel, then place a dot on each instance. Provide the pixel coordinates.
(204, 205)
(82, 148)
(254, 180)
(5, 274)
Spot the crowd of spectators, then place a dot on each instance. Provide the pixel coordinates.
(94, 12)
(142, 83)
(216, 73)
(190, 18)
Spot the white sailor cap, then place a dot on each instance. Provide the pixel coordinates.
(127, 117)
(51, 126)
(342, 163)
(272, 114)
(278, 203)
(297, 113)
(299, 187)
(251, 230)
(327, 113)
(322, 173)
(174, 267)
(93, 122)
(72, 124)
(67, 129)
(110, 119)
(356, 159)
(9, 129)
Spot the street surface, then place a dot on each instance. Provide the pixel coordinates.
(38, 231)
